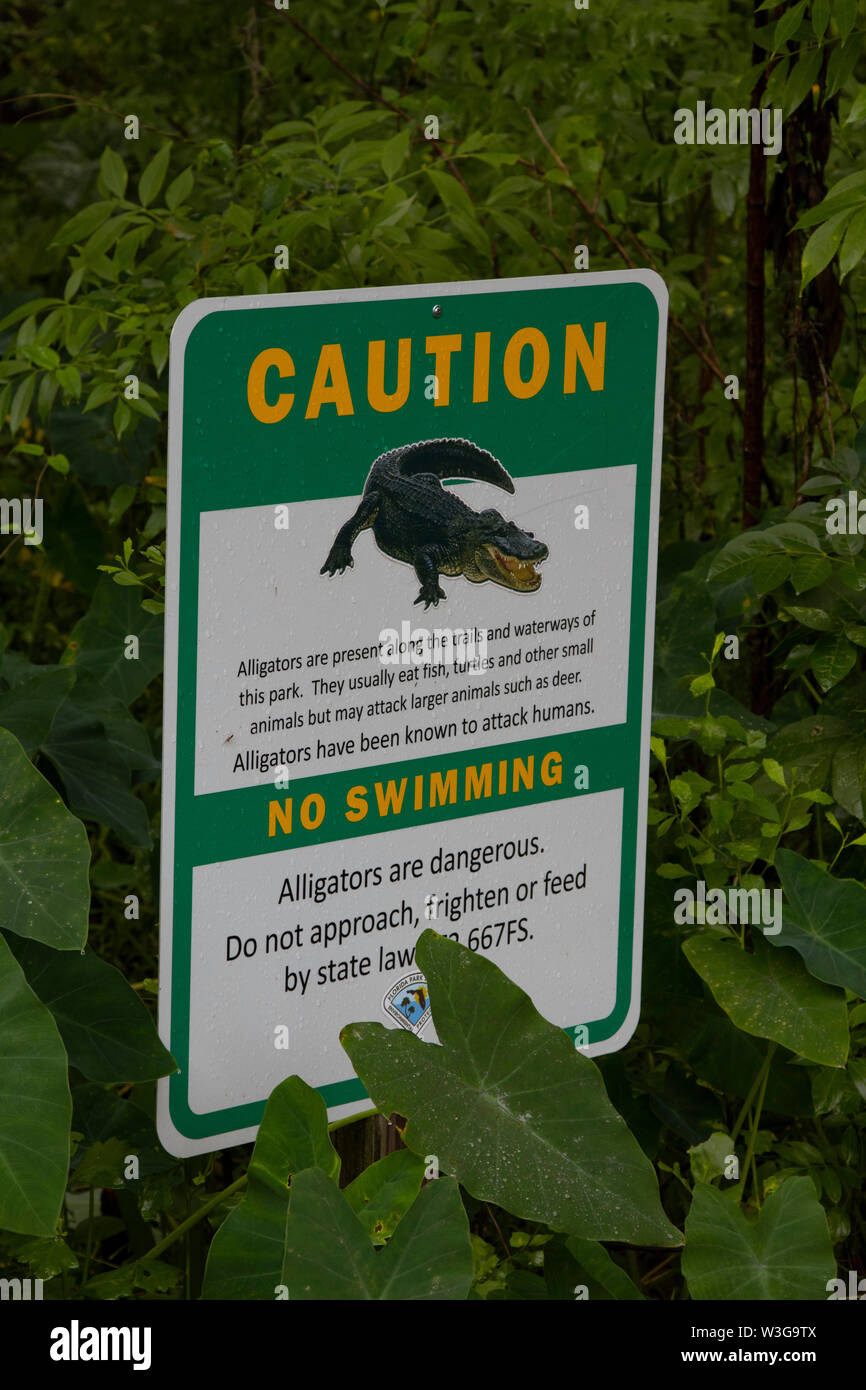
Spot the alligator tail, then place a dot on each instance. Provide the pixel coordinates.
(446, 458)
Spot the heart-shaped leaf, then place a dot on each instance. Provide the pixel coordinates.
(508, 1106)
(328, 1254)
(824, 919)
(384, 1192)
(35, 1107)
(98, 643)
(772, 995)
(44, 856)
(246, 1255)
(106, 1029)
(785, 1254)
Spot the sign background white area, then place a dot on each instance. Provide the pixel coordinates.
(260, 593)
(234, 1060)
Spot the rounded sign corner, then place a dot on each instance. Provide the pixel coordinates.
(624, 1032)
(187, 321)
(657, 288)
(177, 1144)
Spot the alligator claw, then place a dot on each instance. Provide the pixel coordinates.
(430, 596)
(337, 565)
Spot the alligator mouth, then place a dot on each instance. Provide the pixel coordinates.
(517, 574)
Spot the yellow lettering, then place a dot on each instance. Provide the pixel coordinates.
(481, 370)
(269, 414)
(378, 397)
(551, 769)
(330, 384)
(390, 799)
(443, 789)
(523, 772)
(479, 782)
(281, 814)
(442, 345)
(357, 803)
(312, 811)
(577, 349)
(533, 338)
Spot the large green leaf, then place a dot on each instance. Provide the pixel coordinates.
(106, 1029)
(572, 1264)
(741, 555)
(246, 1255)
(679, 1006)
(328, 1254)
(98, 642)
(35, 1107)
(772, 995)
(93, 761)
(811, 744)
(508, 1106)
(44, 856)
(824, 919)
(28, 707)
(785, 1254)
(128, 742)
(384, 1192)
(823, 244)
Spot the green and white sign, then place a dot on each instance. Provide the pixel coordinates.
(411, 571)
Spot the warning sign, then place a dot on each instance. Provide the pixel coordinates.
(411, 567)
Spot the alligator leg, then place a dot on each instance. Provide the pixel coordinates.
(427, 570)
(340, 554)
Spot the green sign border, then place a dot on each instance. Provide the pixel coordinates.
(212, 828)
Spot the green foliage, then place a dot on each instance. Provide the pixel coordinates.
(43, 856)
(508, 1106)
(295, 1235)
(106, 1029)
(36, 1109)
(384, 1192)
(328, 1253)
(825, 920)
(785, 1254)
(771, 995)
(247, 1252)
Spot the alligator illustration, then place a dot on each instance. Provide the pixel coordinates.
(416, 520)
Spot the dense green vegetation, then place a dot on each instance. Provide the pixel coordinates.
(305, 127)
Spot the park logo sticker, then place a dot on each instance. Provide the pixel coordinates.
(409, 1003)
